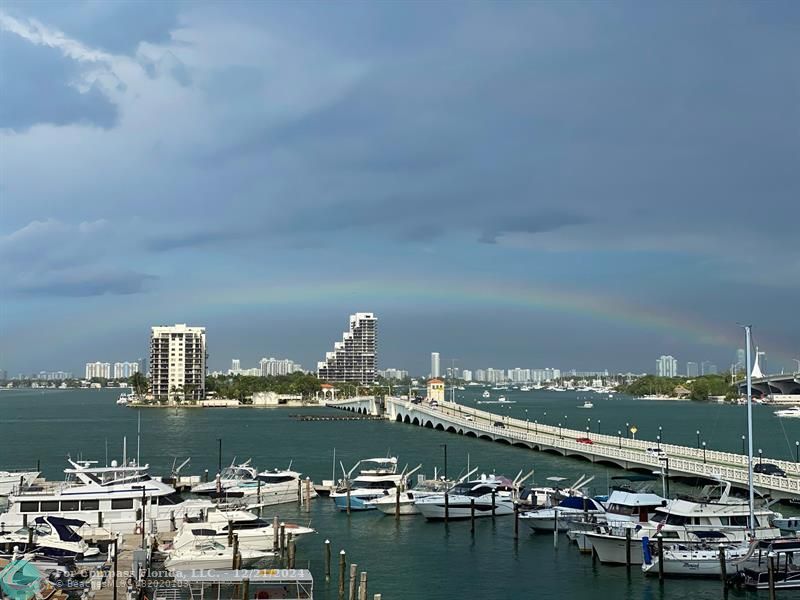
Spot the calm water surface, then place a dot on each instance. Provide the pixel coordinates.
(412, 558)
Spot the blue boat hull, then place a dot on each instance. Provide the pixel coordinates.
(356, 502)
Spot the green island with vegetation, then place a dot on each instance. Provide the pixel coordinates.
(695, 388)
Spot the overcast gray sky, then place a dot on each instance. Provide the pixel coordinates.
(586, 184)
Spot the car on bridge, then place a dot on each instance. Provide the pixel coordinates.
(499, 424)
(584, 440)
(657, 452)
(769, 469)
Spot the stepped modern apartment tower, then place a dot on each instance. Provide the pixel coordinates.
(354, 358)
(178, 362)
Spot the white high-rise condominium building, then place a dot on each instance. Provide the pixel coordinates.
(435, 369)
(178, 362)
(692, 369)
(236, 366)
(123, 370)
(466, 375)
(667, 366)
(98, 369)
(278, 366)
(355, 358)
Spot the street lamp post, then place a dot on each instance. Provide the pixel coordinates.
(660, 432)
(759, 456)
(219, 456)
(627, 429)
(698, 438)
(666, 474)
(619, 435)
(797, 452)
(658, 442)
(743, 450)
(535, 426)
(598, 426)
(444, 446)
(559, 430)
(704, 453)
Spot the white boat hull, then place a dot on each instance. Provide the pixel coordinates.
(463, 510)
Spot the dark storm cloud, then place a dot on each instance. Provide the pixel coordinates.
(82, 283)
(39, 86)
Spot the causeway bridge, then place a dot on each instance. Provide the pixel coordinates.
(612, 450)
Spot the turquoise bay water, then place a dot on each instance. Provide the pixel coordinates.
(410, 558)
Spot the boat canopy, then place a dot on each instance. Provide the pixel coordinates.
(63, 527)
(579, 503)
(381, 461)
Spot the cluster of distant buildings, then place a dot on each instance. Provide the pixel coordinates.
(104, 370)
(515, 375)
(267, 367)
(667, 365)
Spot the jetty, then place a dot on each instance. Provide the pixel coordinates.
(612, 450)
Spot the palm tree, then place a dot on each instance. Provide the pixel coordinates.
(139, 384)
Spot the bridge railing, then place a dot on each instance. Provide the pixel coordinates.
(565, 440)
(709, 455)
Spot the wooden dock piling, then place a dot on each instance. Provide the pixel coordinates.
(723, 571)
(362, 586)
(291, 551)
(628, 548)
(352, 592)
(472, 515)
(275, 533)
(660, 542)
(555, 528)
(397, 503)
(283, 539)
(494, 503)
(446, 507)
(342, 572)
(235, 564)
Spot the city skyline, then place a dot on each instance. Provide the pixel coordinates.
(547, 183)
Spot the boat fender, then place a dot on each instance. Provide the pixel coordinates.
(648, 559)
(138, 529)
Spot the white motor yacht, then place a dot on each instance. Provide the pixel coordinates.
(490, 495)
(388, 504)
(696, 560)
(793, 412)
(253, 532)
(278, 486)
(210, 554)
(109, 497)
(570, 508)
(486, 394)
(230, 477)
(50, 537)
(381, 478)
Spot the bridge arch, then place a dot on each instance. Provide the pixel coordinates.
(484, 436)
(451, 429)
(439, 427)
(415, 421)
(429, 424)
(472, 434)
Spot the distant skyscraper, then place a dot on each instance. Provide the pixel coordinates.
(355, 358)
(277, 366)
(466, 375)
(708, 368)
(667, 366)
(692, 369)
(123, 370)
(98, 369)
(741, 359)
(236, 365)
(435, 370)
(178, 362)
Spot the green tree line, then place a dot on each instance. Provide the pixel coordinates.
(700, 388)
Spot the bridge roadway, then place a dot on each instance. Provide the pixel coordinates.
(626, 453)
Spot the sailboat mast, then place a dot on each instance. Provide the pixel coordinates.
(748, 374)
